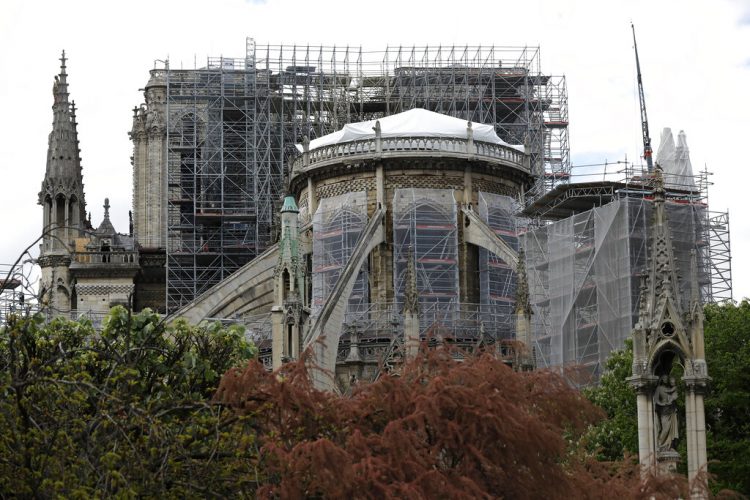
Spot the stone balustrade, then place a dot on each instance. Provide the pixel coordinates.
(391, 147)
(106, 257)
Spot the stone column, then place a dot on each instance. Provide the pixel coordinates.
(277, 336)
(468, 188)
(690, 426)
(411, 334)
(312, 201)
(67, 220)
(54, 225)
(645, 410)
(380, 185)
(700, 431)
(696, 435)
(645, 453)
(47, 224)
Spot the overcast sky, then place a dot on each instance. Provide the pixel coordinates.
(695, 58)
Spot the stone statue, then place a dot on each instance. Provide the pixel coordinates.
(665, 399)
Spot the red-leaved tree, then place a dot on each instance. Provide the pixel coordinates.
(440, 429)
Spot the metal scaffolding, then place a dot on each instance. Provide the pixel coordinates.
(337, 226)
(232, 126)
(425, 230)
(584, 273)
(497, 279)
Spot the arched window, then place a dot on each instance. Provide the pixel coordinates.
(425, 227)
(286, 281)
(337, 227)
(73, 211)
(60, 210)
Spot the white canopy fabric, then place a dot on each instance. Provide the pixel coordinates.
(415, 122)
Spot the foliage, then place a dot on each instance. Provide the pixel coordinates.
(727, 329)
(617, 435)
(139, 410)
(124, 412)
(441, 429)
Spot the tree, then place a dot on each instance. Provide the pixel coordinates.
(139, 410)
(441, 428)
(123, 412)
(727, 329)
(617, 435)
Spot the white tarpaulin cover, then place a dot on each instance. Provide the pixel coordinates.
(675, 161)
(415, 122)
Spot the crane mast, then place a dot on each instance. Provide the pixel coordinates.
(647, 151)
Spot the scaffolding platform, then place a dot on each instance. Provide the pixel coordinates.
(566, 200)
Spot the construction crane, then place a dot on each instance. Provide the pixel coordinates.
(647, 151)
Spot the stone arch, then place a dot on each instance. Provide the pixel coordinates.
(62, 302)
(338, 232)
(59, 210)
(662, 359)
(73, 211)
(47, 203)
(286, 283)
(430, 227)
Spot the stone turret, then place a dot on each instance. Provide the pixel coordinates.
(288, 313)
(62, 198)
(149, 136)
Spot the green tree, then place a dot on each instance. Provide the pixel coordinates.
(125, 411)
(611, 438)
(727, 329)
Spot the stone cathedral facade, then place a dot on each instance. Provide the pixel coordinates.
(86, 269)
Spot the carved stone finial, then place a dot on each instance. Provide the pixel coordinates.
(523, 303)
(376, 128)
(658, 181)
(305, 143)
(411, 294)
(106, 208)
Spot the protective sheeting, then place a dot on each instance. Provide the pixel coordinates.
(425, 229)
(683, 170)
(584, 279)
(497, 279)
(337, 226)
(665, 153)
(413, 123)
(675, 161)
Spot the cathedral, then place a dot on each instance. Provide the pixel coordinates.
(86, 269)
(359, 217)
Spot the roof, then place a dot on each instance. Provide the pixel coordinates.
(289, 204)
(413, 123)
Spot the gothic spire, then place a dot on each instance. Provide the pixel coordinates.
(106, 227)
(62, 188)
(63, 159)
(661, 285)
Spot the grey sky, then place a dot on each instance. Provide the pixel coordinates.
(695, 56)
